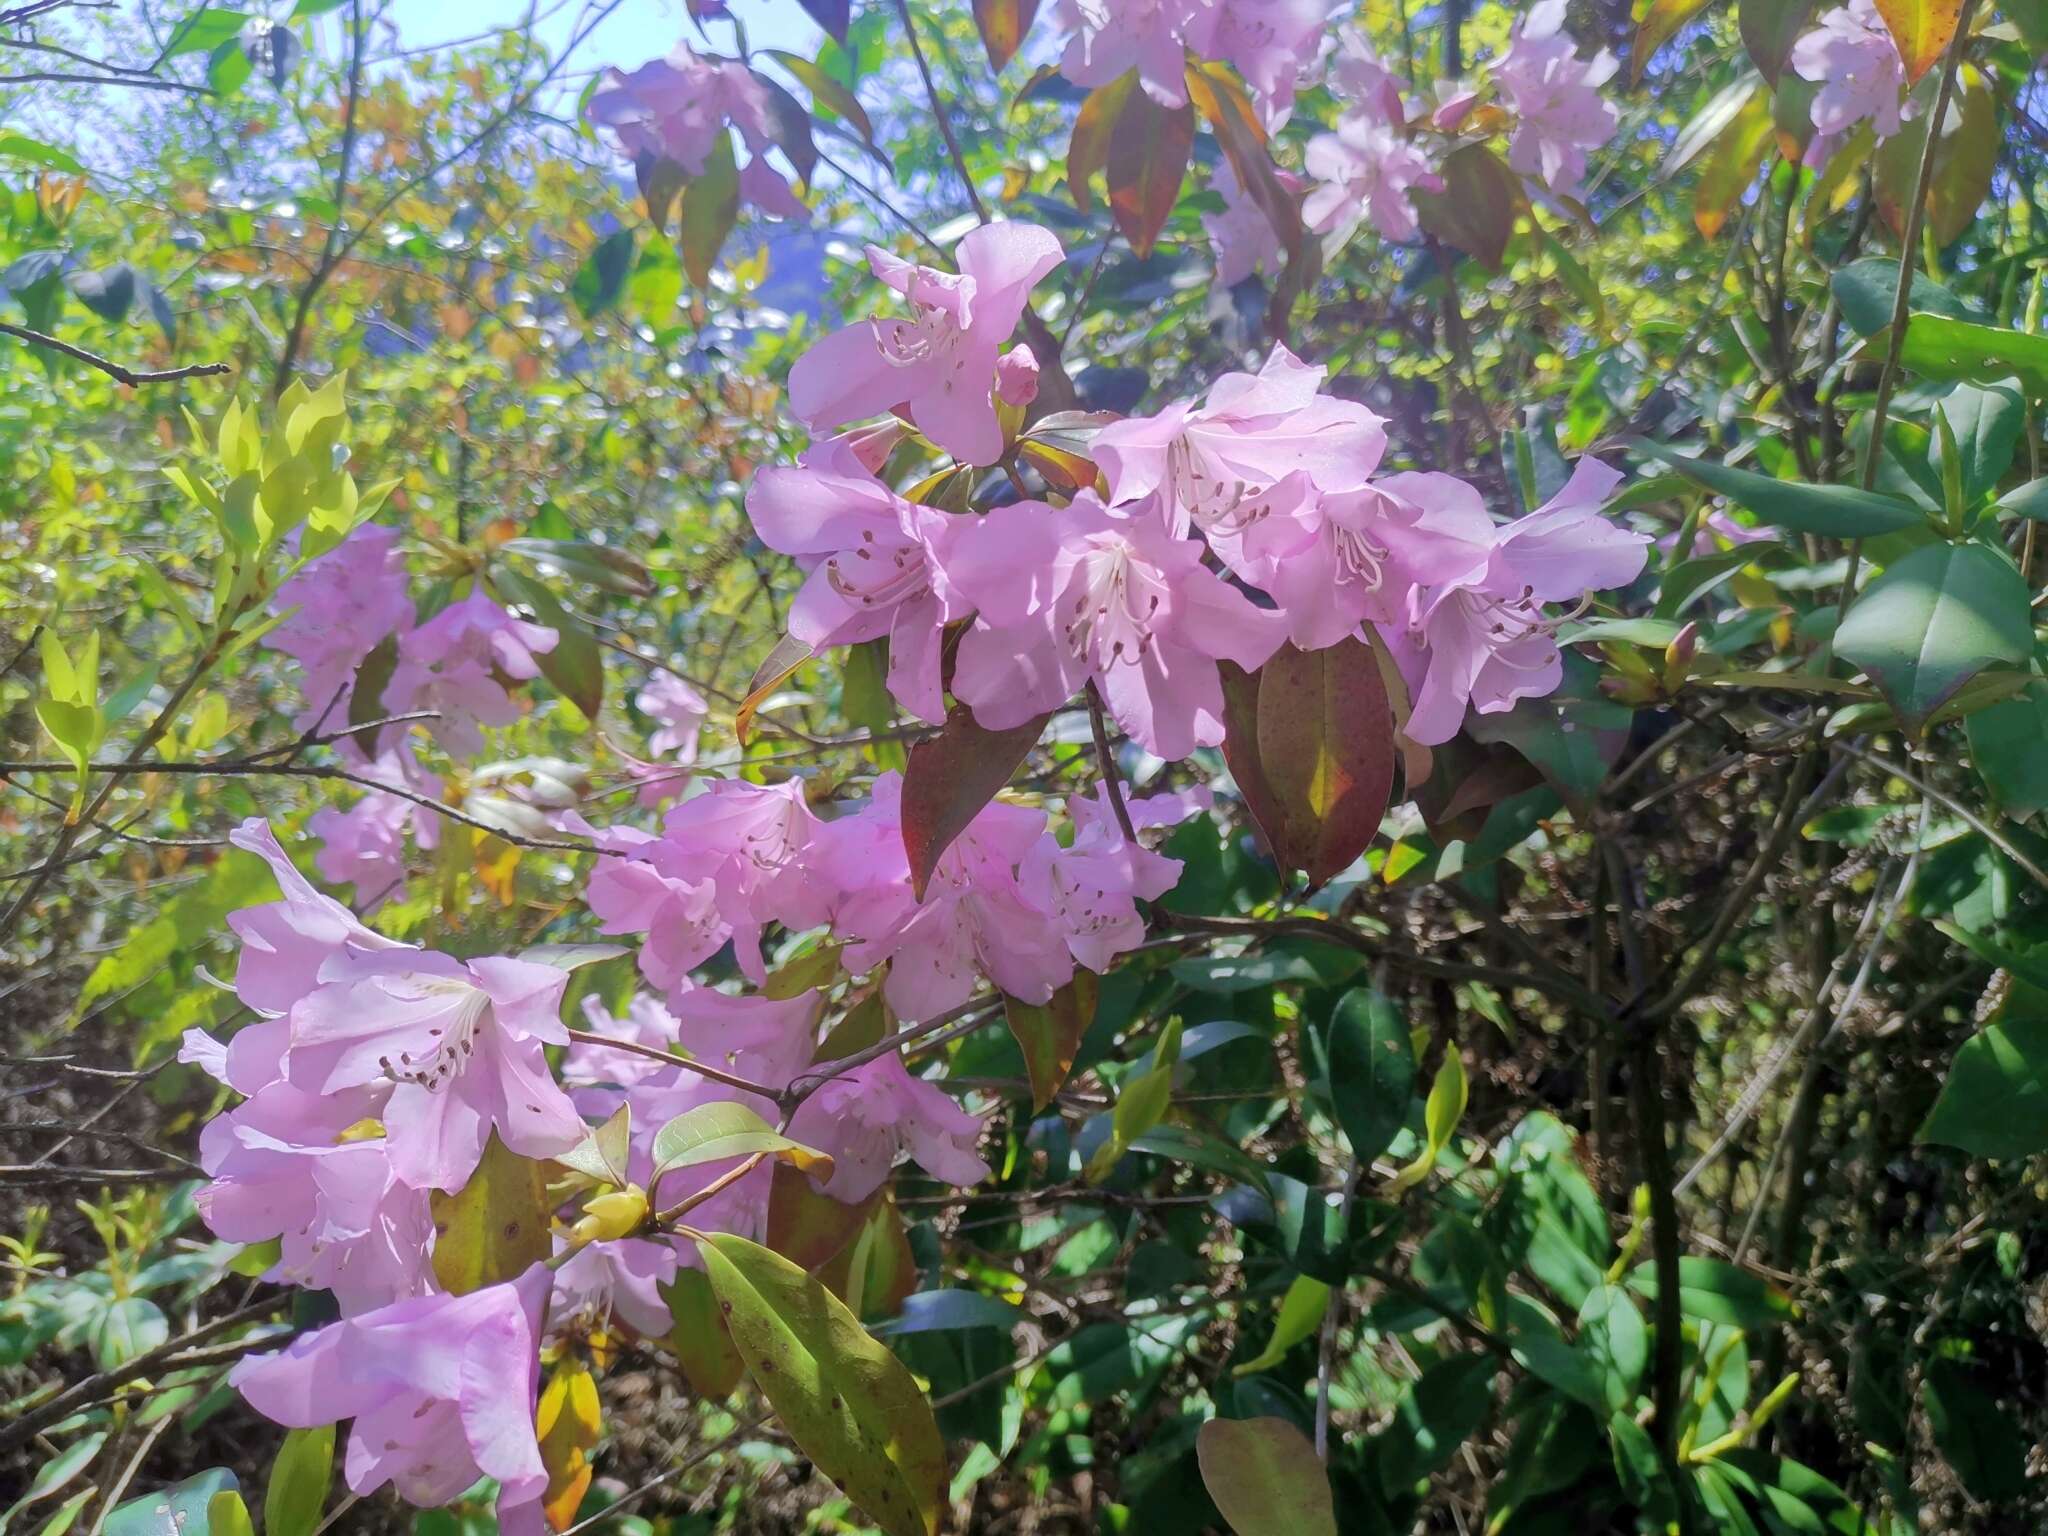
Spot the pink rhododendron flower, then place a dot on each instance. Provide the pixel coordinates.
(877, 568)
(1270, 42)
(678, 710)
(461, 1043)
(1017, 376)
(1208, 465)
(1556, 98)
(364, 846)
(1480, 636)
(442, 1390)
(287, 944)
(456, 663)
(1364, 171)
(940, 367)
(1362, 79)
(726, 863)
(764, 1039)
(1084, 593)
(870, 1116)
(1094, 886)
(678, 108)
(342, 604)
(1715, 529)
(1112, 37)
(1851, 55)
(974, 919)
(344, 1222)
(1242, 235)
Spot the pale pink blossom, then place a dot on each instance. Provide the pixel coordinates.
(870, 1116)
(1210, 465)
(1365, 171)
(1555, 95)
(1088, 594)
(458, 1042)
(442, 1390)
(286, 944)
(1270, 42)
(678, 711)
(1363, 80)
(1479, 636)
(1851, 55)
(1112, 37)
(280, 1169)
(678, 108)
(1242, 235)
(457, 663)
(877, 568)
(341, 606)
(939, 367)
(364, 846)
(1093, 886)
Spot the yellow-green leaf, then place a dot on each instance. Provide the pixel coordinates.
(1440, 1116)
(567, 1426)
(299, 1479)
(712, 1133)
(1922, 29)
(496, 1226)
(847, 1402)
(1301, 1313)
(227, 1515)
(1731, 163)
(711, 1361)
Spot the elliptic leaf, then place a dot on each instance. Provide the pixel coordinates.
(1049, 1034)
(496, 1226)
(1933, 621)
(1372, 1071)
(1148, 158)
(1265, 1478)
(950, 777)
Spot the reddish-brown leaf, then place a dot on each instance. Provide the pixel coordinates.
(1477, 208)
(1088, 149)
(1049, 1034)
(1241, 749)
(1221, 99)
(789, 654)
(808, 1228)
(1964, 158)
(1003, 24)
(1326, 747)
(1148, 159)
(1769, 29)
(950, 777)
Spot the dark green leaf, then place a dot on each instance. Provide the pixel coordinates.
(599, 281)
(1833, 511)
(1933, 621)
(1372, 1071)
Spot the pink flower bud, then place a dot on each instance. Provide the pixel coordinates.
(1017, 376)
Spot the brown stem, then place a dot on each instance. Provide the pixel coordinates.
(133, 378)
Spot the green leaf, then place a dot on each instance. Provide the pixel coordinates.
(1185, 1144)
(847, 1402)
(204, 30)
(1933, 621)
(1715, 1292)
(182, 1508)
(575, 667)
(717, 1132)
(229, 68)
(1612, 1332)
(1987, 421)
(2006, 746)
(1868, 289)
(1050, 1034)
(495, 1227)
(603, 1152)
(1434, 1416)
(1477, 209)
(1730, 165)
(19, 146)
(827, 94)
(299, 1479)
(711, 1361)
(1832, 511)
(129, 1327)
(1301, 1313)
(602, 277)
(2029, 500)
(60, 1469)
(1939, 347)
(600, 565)
(227, 1515)
(1977, 1438)
(1372, 1071)
(1265, 1478)
(1994, 1102)
(1769, 29)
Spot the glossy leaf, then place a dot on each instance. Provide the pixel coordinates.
(1994, 1102)
(567, 1424)
(496, 1226)
(950, 777)
(1730, 164)
(711, 1361)
(1933, 621)
(1148, 158)
(1441, 1112)
(826, 92)
(1717, 1292)
(575, 667)
(1301, 1313)
(1002, 24)
(1832, 511)
(1372, 1071)
(1265, 1478)
(1477, 209)
(1220, 97)
(1094, 131)
(1965, 154)
(846, 1401)
(2006, 747)
(726, 1129)
(1986, 422)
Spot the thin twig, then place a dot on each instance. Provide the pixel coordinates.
(129, 376)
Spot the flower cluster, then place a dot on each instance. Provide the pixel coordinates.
(1270, 42)
(1269, 478)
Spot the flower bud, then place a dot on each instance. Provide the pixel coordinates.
(1017, 376)
(612, 1216)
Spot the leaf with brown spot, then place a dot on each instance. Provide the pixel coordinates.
(495, 1227)
(1922, 29)
(807, 1227)
(1049, 1034)
(849, 1404)
(711, 1361)
(950, 777)
(1316, 742)
(1148, 160)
